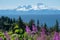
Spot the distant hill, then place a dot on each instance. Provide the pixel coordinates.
(35, 12)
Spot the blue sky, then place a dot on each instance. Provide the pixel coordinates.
(11, 4)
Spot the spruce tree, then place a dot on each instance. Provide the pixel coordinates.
(57, 26)
(46, 28)
(38, 27)
(31, 22)
(21, 24)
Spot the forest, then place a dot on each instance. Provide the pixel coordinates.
(12, 29)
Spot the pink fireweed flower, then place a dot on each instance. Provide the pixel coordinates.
(34, 29)
(28, 29)
(43, 34)
(43, 31)
(1, 38)
(56, 36)
(6, 35)
(38, 38)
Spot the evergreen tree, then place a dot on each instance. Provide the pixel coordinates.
(14, 20)
(46, 28)
(11, 21)
(57, 26)
(21, 24)
(31, 23)
(38, 25)
(2, 22)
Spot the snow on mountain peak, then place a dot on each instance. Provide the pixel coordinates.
(39, 6)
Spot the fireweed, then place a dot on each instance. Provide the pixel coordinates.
(56, 36)
(38, 38)
(28, 29)
(43, 34)
(34, 29)
(6, 35)
(1, 38)
(31, 34)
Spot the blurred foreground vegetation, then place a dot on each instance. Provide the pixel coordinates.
(17, 29)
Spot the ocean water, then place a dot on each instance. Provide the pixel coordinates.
(50, 20)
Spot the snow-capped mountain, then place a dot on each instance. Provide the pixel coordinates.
(38, 9)
(39, 6)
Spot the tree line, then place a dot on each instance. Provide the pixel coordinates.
(8, 24)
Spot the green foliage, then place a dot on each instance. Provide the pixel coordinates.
(17, 31)
(2, 35)
(16, 28)
(10, 32)
(25, 35)
(13, 36)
